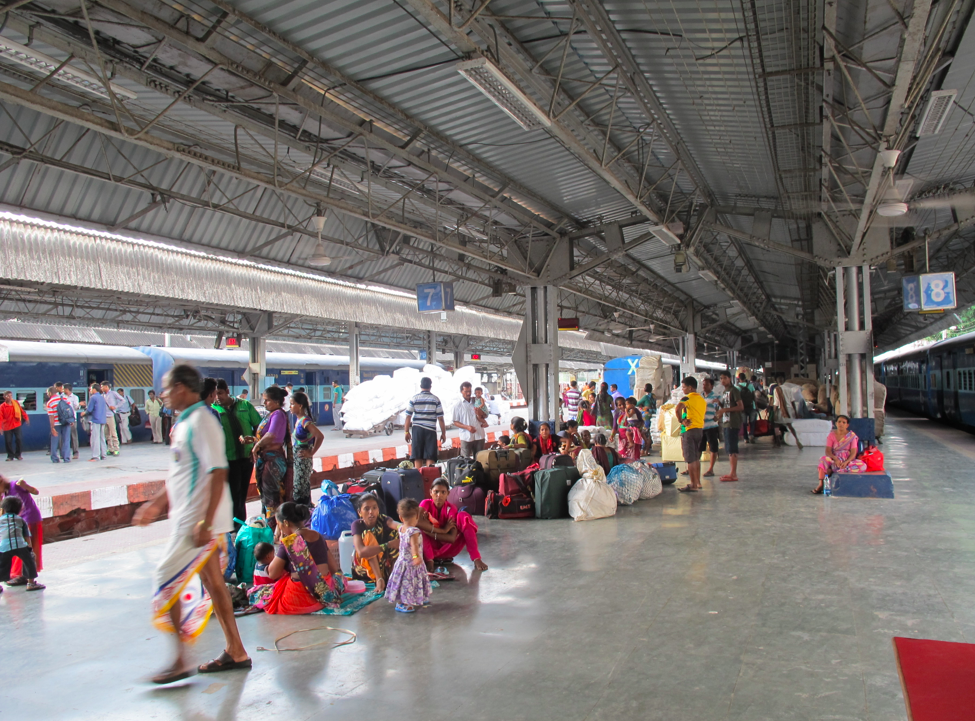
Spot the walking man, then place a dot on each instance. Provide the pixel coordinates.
(690, 412)
(113, 400)
(472, 433)
(189, 580)
(337, 395)
(422, 415)
(238, 420)
(153, 407)
(731, 415)
(97, 410)
(572, 397)
(12, 419)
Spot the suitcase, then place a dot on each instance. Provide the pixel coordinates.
(667, 471)
(496, 462)
(551, 460)
(515, 482)
(374, 476)
(429, 474)
(467, 497)
(497, 505)
(533, 427)
(401, 483)
(457, 470)
(524, 457)
(552, 488)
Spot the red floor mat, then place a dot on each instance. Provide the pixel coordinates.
(938, 679)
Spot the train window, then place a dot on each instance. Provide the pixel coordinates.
(27, 400)
(947, 379)
(138, 395)
(82, 395)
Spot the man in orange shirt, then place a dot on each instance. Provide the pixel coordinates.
(12, 418)
(690, 412)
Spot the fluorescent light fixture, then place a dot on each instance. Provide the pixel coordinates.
(666, 235)
(46, 65)
(488, 78)
(707, 275)
(935, 114)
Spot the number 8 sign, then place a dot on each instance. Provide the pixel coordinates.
(938, 291)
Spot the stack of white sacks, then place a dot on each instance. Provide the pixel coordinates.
(373, 402)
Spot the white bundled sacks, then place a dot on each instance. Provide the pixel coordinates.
(591, 497)
(652, 485)
(626, 482)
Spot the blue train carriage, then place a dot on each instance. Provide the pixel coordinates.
(313, 372)
(937, 381)
(29, 368)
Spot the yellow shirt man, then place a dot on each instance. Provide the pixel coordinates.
(694, 407)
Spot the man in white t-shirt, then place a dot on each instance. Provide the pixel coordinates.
(198, 502)
(465, 417)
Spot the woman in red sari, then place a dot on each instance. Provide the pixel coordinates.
(306, 577)
(545, 443)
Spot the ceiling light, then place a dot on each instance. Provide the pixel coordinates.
(488, 78)
(936, 112)
(46, 65)
(889, 157)
(666, 235)
(891, 210)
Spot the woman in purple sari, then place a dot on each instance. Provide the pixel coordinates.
(842, 446)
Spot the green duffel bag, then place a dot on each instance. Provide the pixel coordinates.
(552, 488)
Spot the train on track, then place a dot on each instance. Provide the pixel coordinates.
(29, 368)
(937, 381)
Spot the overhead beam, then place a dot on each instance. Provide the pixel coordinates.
(909, 56)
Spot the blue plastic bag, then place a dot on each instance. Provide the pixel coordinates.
(333, 515)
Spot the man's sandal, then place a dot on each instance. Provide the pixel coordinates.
(225, 662)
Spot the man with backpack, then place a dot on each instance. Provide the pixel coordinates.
(748, 413)
(61, 417)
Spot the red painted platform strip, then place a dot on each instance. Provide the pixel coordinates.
(389, 454)
(361, 458)
(455, 442)
(938, 678)
(329, 463)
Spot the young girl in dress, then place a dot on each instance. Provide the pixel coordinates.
(408, 585)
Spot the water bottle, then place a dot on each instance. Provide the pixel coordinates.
(827, 489)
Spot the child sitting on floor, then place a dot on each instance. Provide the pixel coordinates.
(14, 544)
(263, 554)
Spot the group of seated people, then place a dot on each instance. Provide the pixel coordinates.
(632, 443)
(299, 575)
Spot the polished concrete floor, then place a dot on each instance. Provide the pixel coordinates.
(748, 601)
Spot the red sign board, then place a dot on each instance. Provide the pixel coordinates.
(568, 324)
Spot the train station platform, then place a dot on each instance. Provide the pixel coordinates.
(752, 600)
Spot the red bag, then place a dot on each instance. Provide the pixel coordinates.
(500, 505)
(873, 458)
(761, 427)
(429, 475)
(520, 482)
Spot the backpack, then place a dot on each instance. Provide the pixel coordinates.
(65, 413)
(747, 398)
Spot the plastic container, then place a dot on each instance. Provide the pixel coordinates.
(346, 549)
(355, 586)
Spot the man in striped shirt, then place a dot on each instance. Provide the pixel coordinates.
(712, 433)
(422, 415)
(60, 433)
(571, 398)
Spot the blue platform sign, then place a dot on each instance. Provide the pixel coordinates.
(434, 297)
(912, 292)
(938, 291)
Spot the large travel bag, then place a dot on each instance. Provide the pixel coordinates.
(667, 471)
(467, 497)
(459, 471)
(499, 505)
(552, 487)
(374, 476)
(496, 462)
(524, 457)
(429, 474)
(551, 460)
(517, 481)
(401, 483)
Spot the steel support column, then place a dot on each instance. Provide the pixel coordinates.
(257, 326)
(355, 333)
(536, 353)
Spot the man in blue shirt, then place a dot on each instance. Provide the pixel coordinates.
(97, 411)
